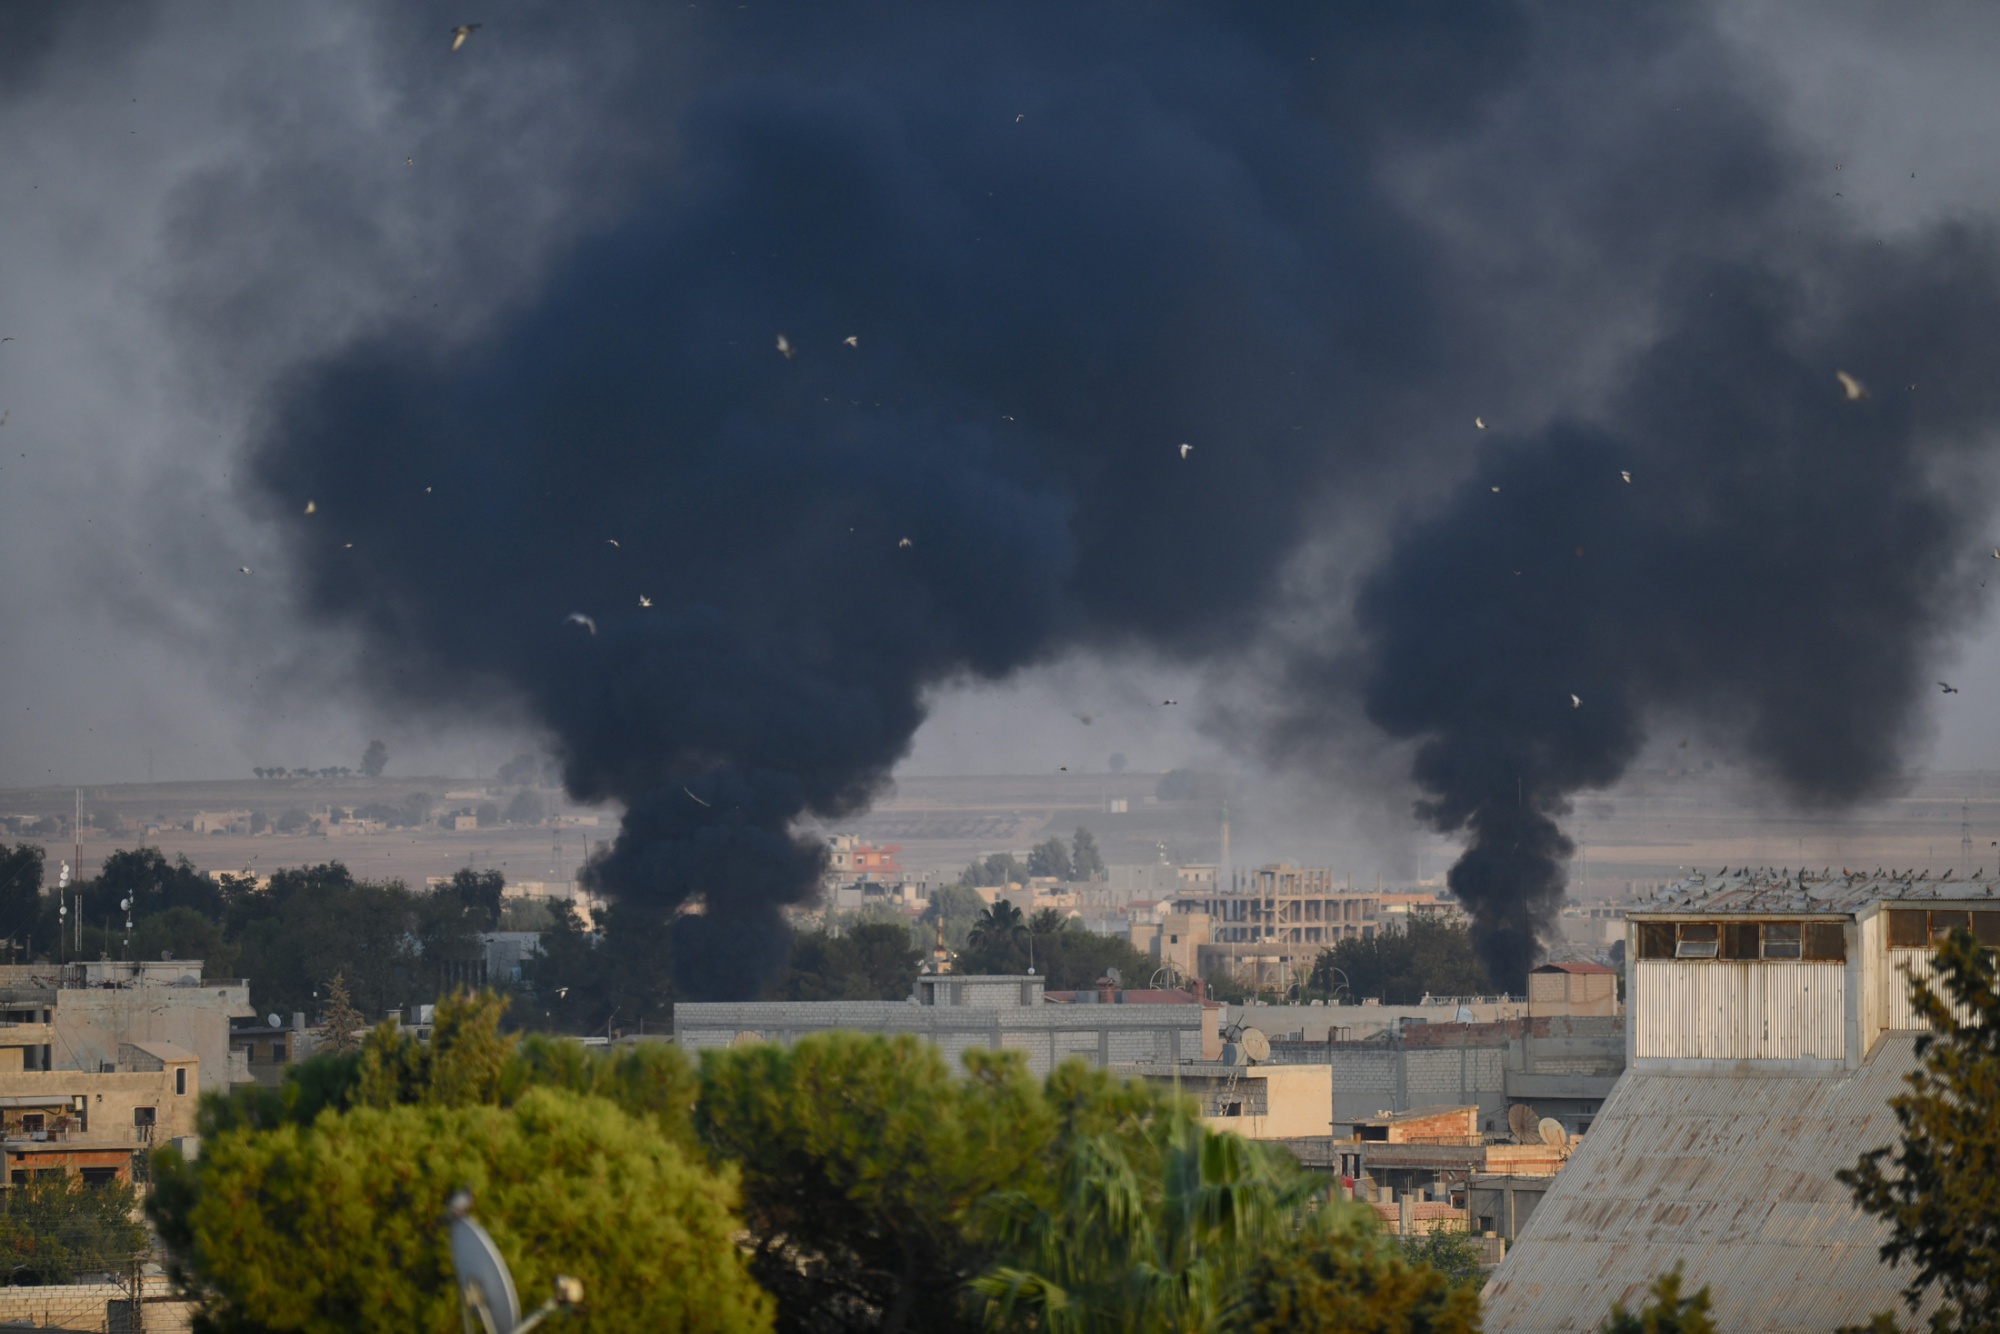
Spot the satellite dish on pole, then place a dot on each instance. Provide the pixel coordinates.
(1255, 1045)
(1116, 980)
(1552, 1133)
(62, 877)
(1522, 1122)
(484, 1284)
(272, 1020)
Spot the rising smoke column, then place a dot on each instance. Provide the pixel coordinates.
(1785, 563)
(1064, 239)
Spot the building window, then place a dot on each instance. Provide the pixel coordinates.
(1826, 941)
(98, 1176)
(1739, 941)
(1914, 928)
(1781, 940)
(1656, 940)
(1698, 940)
(1909, 928)
(181, 1079)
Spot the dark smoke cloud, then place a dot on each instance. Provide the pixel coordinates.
(1067, 240)
(1784, 562)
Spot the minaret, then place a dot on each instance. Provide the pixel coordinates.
(1222, 879)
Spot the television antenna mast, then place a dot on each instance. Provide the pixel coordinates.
(1965, 833)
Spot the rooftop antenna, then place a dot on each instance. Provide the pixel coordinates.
(1965, 833)
(76, 828)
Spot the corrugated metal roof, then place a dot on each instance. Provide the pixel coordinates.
(1763, 890)
(1729, 1175)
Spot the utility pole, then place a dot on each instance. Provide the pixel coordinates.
(1965, 834)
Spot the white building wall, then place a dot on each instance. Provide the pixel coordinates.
(1715, 1010)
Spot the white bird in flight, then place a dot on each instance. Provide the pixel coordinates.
(1480, 422)
(243, 569)
(310, 507)
(461, 33)
(1186, 449)
(580, 619)
(691, 796)
(785, 346)
(1855, 390)
(905, 542)
(1626, 475)
(1575, 702)
(613, 541)
(852, 340)
(645, 601)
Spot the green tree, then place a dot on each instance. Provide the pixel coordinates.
(1939, 1191)
(998, 942)
(1402, 967)
(991, 872)
(21, 870)
(1348, 1279)
(870, 961)
(1073, 959)
(1667, 1313)
(1451, 1253)
(959, 907)
(336, 1226)
(1154, 1233)
(1050, 857)
(57, 1231)
(374, 759)
(525, 808)
(1085, 860)
(341, 1025)
(183, 933)
(865, 1164)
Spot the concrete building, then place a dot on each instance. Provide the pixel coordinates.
(93, 1009)
(1255, 1101)
(1768, 1027)
(266, 1050)
(1573, 988)
(1434, 1152)
(1562, 1066)
(89, 1123)
(960, 1012)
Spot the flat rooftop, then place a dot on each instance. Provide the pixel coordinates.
(1767, 890)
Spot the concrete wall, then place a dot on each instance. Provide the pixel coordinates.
(1101, 1035)
(90, 1022)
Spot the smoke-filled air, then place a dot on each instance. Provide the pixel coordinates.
(1433, 366)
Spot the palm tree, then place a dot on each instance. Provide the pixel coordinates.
(999, 927)
(1047, 922)
(1152, 1236)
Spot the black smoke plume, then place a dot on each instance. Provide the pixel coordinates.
(1066, 239)
(1734, 538)
(1019, 255)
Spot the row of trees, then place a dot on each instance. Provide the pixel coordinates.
(845, 1183)
(1078, 859)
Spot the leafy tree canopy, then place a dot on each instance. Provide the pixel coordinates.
(1666, 1313)
(1086, 863)
(1050, 857)
(1938, 1188)
(870, 961)
(992, 872)
(1402, 967)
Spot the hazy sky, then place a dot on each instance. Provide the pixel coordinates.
(199, 198)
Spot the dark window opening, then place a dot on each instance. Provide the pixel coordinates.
(1781, 940)
(98, 1176)
(1739, 941)
(180, 1079)
(32, 1123)
(1656, 940)
(1909, 928)
(1826, 940)
(1986, 928)
(1943, 923)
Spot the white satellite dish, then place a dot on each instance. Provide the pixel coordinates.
(1116, 980)
(484, 1284)
(1553, 1134)
(272, 1020)
(62, 877)
(1255, 1045)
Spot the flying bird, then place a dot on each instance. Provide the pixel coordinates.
(1086, 718)
(1626, 475)
(1186, 449)
(645, 601)
(692, 797)
(243, 569)
(310, 507)
(613, 541)
(580, 619)
(1480, 422)
(1855, 390)
(1496, 490)
(785, 346)
(462, 32)
(905, 542)
(1018, 119)
(1575, 702)
(1165, 702)
(1949, 690)
(852, 340)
